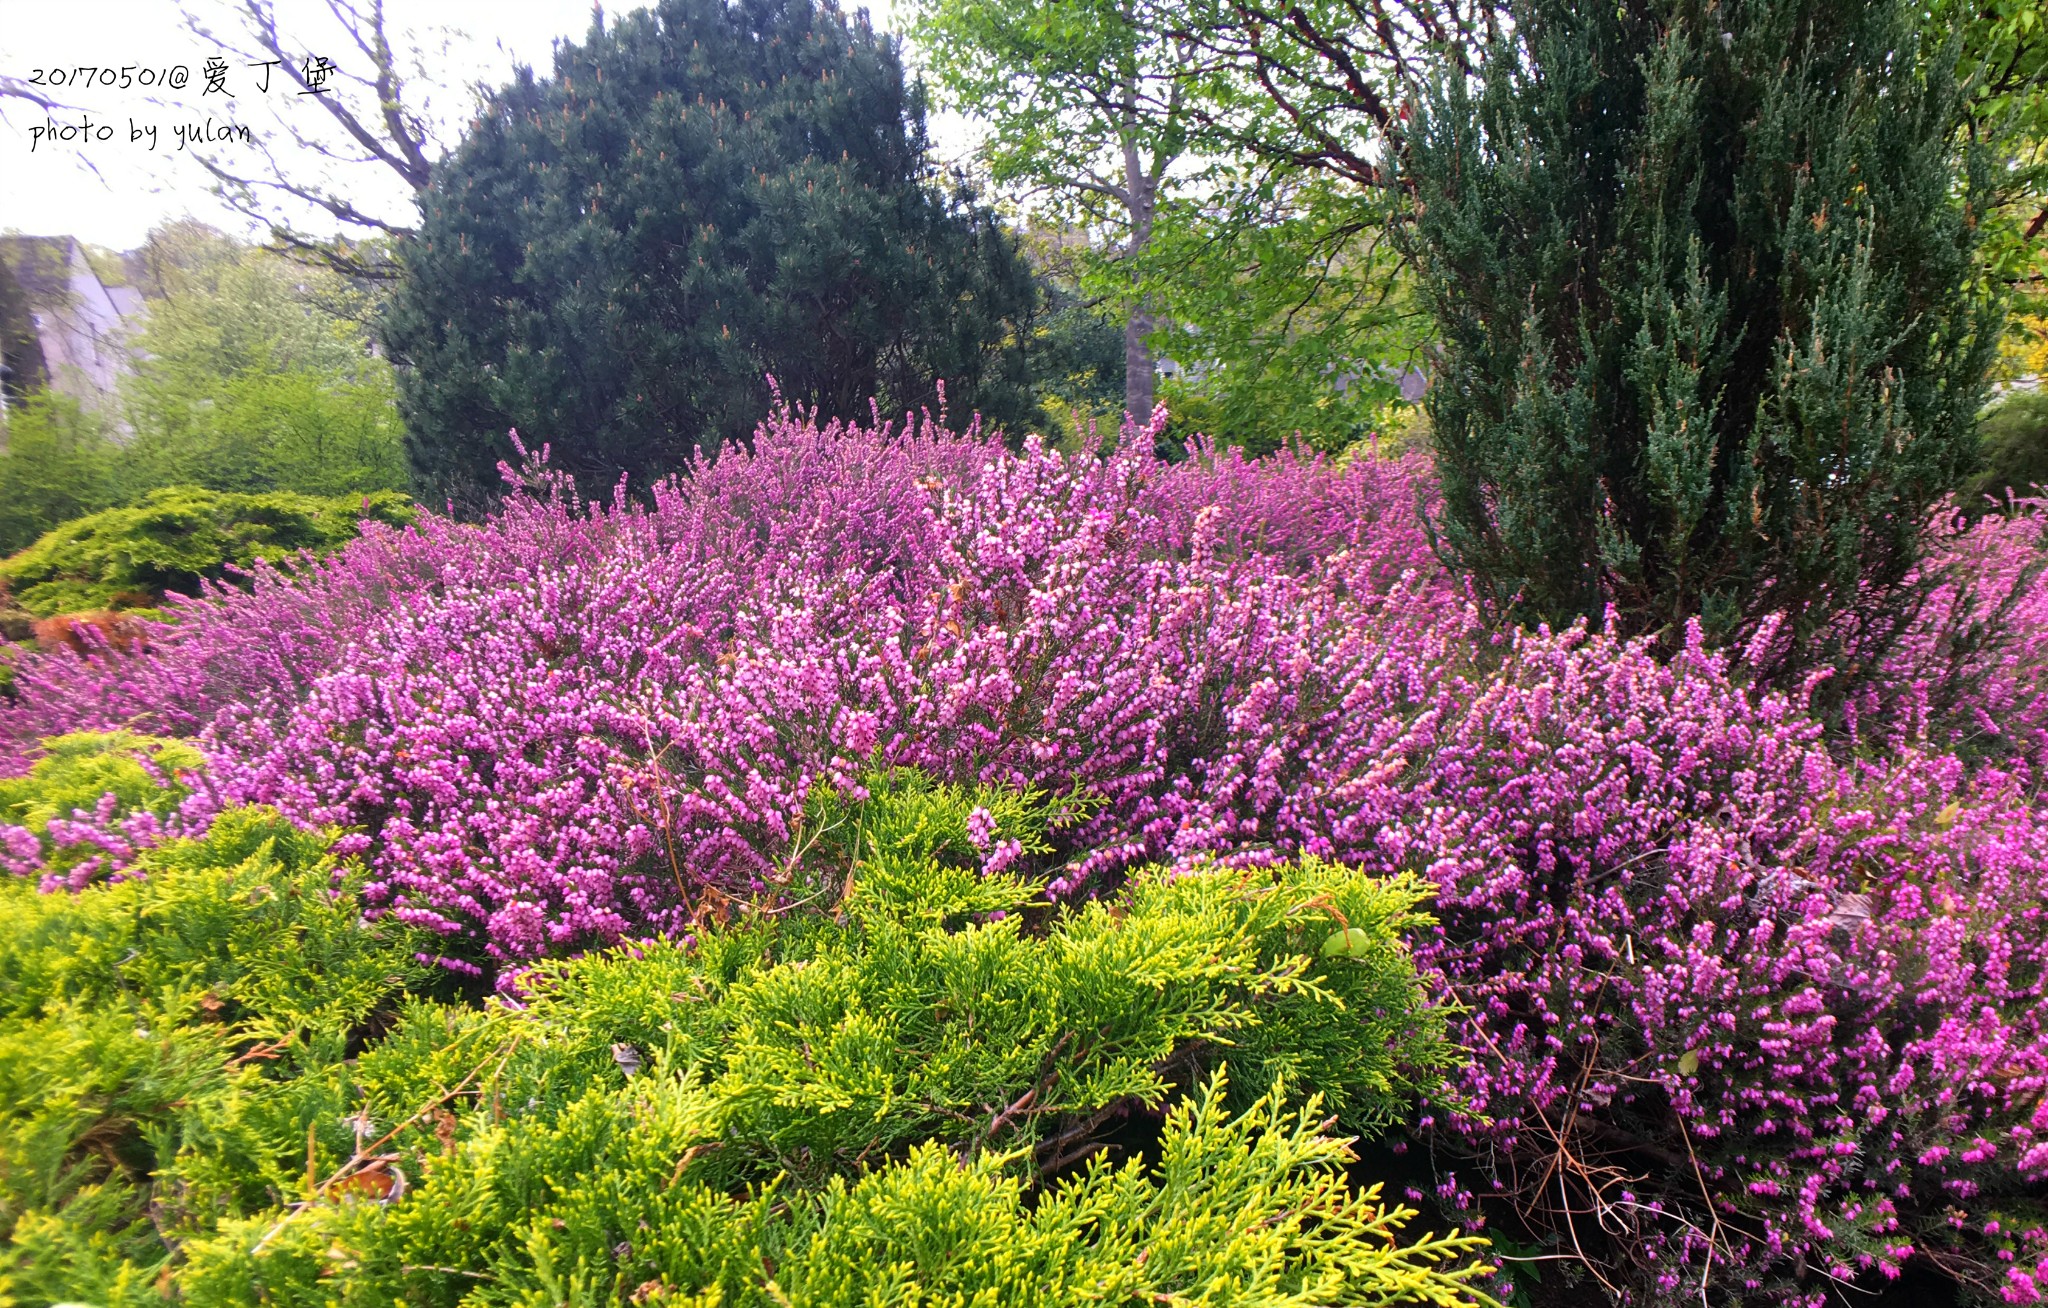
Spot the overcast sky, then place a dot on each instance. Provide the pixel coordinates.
(45, 187)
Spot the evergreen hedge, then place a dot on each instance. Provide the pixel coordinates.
(1713, 336)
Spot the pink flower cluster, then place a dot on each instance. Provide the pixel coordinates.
(1735, 1007)
(1703, 960)
(542, 724)
(1971, 672)
(89, 846)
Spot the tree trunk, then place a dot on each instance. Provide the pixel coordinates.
(1141, 192)
(1139, 366)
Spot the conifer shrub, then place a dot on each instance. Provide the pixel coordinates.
(175, 538)
(170, 1050)
(899, 1091)
(1714, 341)
(899, 1096)
(697, 194)
(609, 1205)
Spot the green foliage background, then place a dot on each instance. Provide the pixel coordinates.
(253, 375)
(2014, 433)
(57, 465)
(256, 374)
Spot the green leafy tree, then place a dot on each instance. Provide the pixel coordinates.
(1076, 349)
(1290, 314)
(2004, 65)
(1085, 104)
(55, 463)
(1713, 335)
(255, 374)
(1325, 85)
(701, 194)
(1257, 294)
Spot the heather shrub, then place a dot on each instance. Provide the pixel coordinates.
(1740, 1002)
(172, 539)
(1971, 673)
(1735, 1011)
(578, 713)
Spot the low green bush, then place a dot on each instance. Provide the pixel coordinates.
(601, 1207)
(888, 1102)
(900, 1092)
(171, 1048)
(171, 539)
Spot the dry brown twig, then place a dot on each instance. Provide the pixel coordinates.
(365, 1156)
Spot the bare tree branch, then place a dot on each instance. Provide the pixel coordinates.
(1339, 72)
(373, 120)
(13, 88)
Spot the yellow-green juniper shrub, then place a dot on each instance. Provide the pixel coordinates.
(891, 1093)
(173, 538)
(167, 1042)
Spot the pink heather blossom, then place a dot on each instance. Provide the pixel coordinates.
(1777, 987)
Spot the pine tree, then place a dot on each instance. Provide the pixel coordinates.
(703, 194)
(1713, 338)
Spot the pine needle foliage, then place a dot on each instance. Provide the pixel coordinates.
(702, 193)
(916, 1017)
(897, 1094)
(1713, 338)
(599, 1208)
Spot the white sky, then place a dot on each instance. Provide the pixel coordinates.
(45, 189)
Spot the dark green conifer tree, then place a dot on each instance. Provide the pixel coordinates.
(1713, 339)
(703, 194)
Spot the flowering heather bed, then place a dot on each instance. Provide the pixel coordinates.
(1736, 1007)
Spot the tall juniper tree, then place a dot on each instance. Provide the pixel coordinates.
(703, 194)
(1713, 339)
